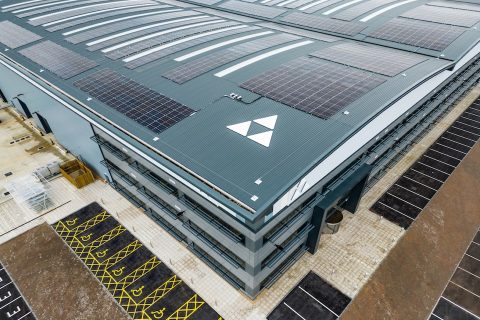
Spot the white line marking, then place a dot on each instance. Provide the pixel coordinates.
(318, 301)
(221, 44)
(403, 200)
(472, 257)
(426, 165)
(173, 43)
(260, 57)
(379, 12)
(451, 148)
(403, 214)
(116, 35)
(298, 314)
(475, 134)
(445, 154)
(467, 124)
(472, 114)
(463, 137)
(439, 161)
(341, 7)
(469, 272)
(463, 116)
(472, 293)
(24, 315)
(420, 183)
(5, 285)
(117, 20)
(11, 302)
(426, 175)
(433, 314)
(156, 34)
(478, 244)
(418, 194)
(456, 142)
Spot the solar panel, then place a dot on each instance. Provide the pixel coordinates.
(456, 5)
(92, 9)
(456, 17)
(310, 8)
(416, 33)
(184, 45)
(155, 41)
(141, 104)
(207, 2)
(380, 60)
(314, 86)
(54, 8)
(97, 17)
(57, 59)
(324, 24)
(14, 36)
(361, 9)
(122, 25)
(252, 9)
(204, 64)
(104, 43)
(298, 3)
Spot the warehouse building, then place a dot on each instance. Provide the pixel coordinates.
(239, 126)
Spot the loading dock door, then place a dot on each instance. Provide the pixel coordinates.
(23, 108)
(42, 123)
(2, 97)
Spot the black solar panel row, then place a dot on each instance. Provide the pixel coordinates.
(199, 66)
(14, 36)
(59, 60)
(377, 59)
(421, 34)
(324, 24)
(131, 23)
(317, 87)
(104, 43)
(141, 104)
(168, 37)
(184, 45)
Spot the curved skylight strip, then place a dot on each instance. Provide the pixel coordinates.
(94, 13)
(284, 3)
(41, 6)
(117, 20)
(156, 34)
(221, 44)
(89, 44)
(260, 57)
(379, 12)
(341, 7)
(312, 4)
(19, 4)
(77, 8)
(173, 43)
(265, 1)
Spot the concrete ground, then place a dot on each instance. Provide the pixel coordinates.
(346, 259)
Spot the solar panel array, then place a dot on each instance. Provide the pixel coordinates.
(204, 64)
(380, 60)
(141, 104)
(137, 34)
(84, 10)
(159, 40)
(14, 36)
(314, 86)
(422, 34)
(297, 3)
(456, 5)
(324, 24)
(319, 6)
(122, 25)
(252, 9)
(182, 46)
(105, 15)
(456, 17)
(361, 9)
(57, 59)
(30, 13)
(207, 2)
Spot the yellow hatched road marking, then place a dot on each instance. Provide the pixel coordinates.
(187, 309)
(91, 222)
(122, 254)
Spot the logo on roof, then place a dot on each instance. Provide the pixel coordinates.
(262, 138)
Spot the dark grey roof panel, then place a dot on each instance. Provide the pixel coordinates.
(456, 17)
(311, 9)
(57, 59)
(324, 24)
(14, 36)
(252, 9)
(456, 4)
(358, 10)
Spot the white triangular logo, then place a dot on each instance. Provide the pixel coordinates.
(263, 138)
(268, 122)
(241, 128)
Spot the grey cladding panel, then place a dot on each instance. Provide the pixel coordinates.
(57, 59)
(385, 61)
(321, 5)
(182, 46)
(416, 33)
(253, 9)
(168, 37)
(456, 5)
(141, 104)
(14, 36)
(361, 9)
(204, 64)
(456, 17)
(55, 8)
(324, 24)
(316, 87)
